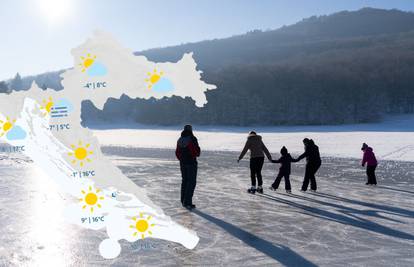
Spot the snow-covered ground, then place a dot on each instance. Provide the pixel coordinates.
(392, 139)
(345, 224)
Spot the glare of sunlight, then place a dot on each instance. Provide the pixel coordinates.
(48, 229)
(55, 11)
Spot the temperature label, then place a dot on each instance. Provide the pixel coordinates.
(11, 149)
(95, 85)
(93, 219)
(81, 174)
(59, 127)
(141, 245)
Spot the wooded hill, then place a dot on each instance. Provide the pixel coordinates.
(347, 67)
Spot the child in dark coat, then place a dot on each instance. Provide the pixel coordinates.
(284, 170)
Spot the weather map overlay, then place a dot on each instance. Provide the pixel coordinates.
(45, 125)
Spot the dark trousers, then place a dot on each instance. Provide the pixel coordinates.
(310, 172)
(279, 177)
(188, 184)
(371, 174)
(256, 165)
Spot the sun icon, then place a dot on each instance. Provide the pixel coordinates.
(142, 225)
(87, 62)
(153, 78)
(47, 105)
(80, 153)
(6, 126)
(91, 198)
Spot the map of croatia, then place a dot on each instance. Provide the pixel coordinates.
(47, 124)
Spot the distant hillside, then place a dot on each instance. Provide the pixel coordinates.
(310, 36)
(44, 80)
(347, 67)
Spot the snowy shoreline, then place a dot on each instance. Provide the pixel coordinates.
(392, 139)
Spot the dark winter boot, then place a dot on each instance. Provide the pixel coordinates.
(259, 190)
(189, 207)
(251, 190)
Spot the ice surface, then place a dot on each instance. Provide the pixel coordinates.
(118, 214)
(347, 224)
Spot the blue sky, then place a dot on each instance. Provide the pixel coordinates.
(37, 35)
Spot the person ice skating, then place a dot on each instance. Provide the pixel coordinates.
(313, 162)
(187, 152)
(257, 149)
(284, 170)
(371, 161)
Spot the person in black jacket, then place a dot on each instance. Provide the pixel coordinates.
(313, 162)
(187, 152)
(284, 170)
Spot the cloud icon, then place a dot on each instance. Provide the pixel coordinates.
(163, 85)
(63, 102)
(16, 133)
(97, 69)
(61, 108)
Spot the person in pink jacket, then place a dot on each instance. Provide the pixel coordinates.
(371, 162)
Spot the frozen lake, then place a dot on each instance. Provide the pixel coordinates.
(391, 139)
(346, 224)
